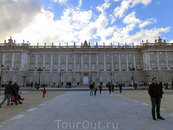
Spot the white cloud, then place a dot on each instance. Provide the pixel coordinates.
(103, 7)
(16, 15)
(119, 11)
(170, 41)
(75, 25)
(147, 22)
(61, 1)
(113, 19)
(131, 18)
(144, 2)
(80, 3)
(126, 4)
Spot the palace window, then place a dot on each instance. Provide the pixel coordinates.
(40, 55)
(62, 55)
(130, 55)
(152, 53)
(160, 53)
(85, 55)
(122, 55)
(32, 55)
(115, 55)
(47, 55)
(70, 55)
(137, 55)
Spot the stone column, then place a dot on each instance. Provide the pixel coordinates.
(36, 61)
(12, 61)
(58, 62)
(97, 59)
(166, 60)
(158, 66)
(66, 68)
(144, 67)
(112, 63)
(134, 60)
(149, 66)
(22, 61)
(146, 60)
(119, 62)
(127, 64)
(51, 62)
(44, 61)
(104, 62)
(3, 59)
(89, 61)
(74, 63)
(81, 61)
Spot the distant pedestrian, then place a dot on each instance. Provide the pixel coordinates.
(120, 87)
(100, 87)
(110, 88)
(9, 90)
(113, 87)
(95, 89)
(44, 92)
(31, 84)
(91, 86)
(155, 92)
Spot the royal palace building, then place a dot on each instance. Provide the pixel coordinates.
(80, 65)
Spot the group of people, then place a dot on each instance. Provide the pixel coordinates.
(9, 92)
(111, 87)
(93, 87)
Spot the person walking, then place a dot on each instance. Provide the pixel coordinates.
(110, 85)
(155, 92)
(100, 87)
(120, 87)
(95, 89)
(44, 92)
(31, 84)
(113, 87)
(91, 86)
(9, 90)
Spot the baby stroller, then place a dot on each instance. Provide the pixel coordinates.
(16, 99)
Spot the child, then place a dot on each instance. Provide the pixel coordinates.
(44, 92)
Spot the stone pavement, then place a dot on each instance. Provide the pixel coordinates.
(104, 111)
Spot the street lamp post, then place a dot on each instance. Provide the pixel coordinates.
(39, 70)
(132, 69)
(147, 75)
(2, 66)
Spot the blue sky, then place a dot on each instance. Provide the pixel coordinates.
(109, 21)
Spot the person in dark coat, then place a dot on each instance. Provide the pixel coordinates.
(31, 84)
(100, 87)
(16, 87)
(91, 86)
(113, 87)
(120, 87)
(155, 92)
(9, 90)
(110, 85)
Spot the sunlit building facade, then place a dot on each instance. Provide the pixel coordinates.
(82, 64)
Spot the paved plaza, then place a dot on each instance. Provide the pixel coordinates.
(78, 110)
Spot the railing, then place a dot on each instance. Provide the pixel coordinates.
(88, 46)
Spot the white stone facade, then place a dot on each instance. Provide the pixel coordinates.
(86, 63)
